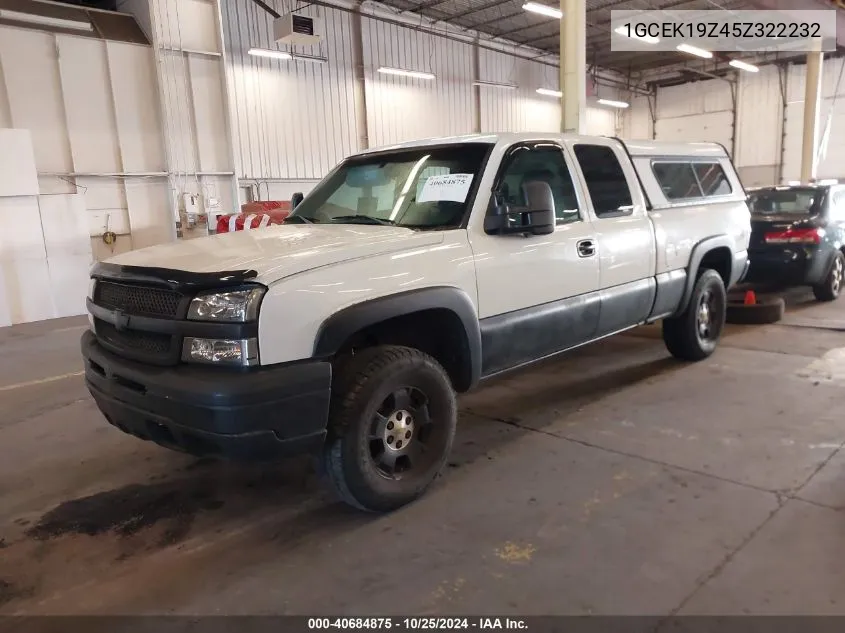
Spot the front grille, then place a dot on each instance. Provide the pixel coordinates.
(140, 300)
(151, 344)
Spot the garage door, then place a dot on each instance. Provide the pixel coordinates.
(699, 111)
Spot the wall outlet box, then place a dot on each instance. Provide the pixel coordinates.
(190, 203)
(213, 203)
(297, 29)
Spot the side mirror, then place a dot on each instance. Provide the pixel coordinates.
(295, 199)
(536, 218)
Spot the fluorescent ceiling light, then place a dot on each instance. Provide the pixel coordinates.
(549, 93)
(543, 9)
(264, 52)
(743, 66)
(648, 39)
(494, 84)
(692, 50)
(614, 104)
(405, 73)
(46, 20)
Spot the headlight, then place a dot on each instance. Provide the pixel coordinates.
(238, 306)
(220, 351)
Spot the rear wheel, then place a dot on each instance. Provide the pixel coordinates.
(830, 288)
(392, 426)
(694, 334)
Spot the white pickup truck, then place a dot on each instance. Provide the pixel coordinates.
(408, 274)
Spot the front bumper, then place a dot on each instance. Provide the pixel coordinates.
(254, 414)
(788, 266)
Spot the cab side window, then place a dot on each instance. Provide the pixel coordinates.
(545, 164)
(605, 180)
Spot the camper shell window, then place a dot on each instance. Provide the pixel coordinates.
(690, 180)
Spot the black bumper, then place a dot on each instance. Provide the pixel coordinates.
(789, 266)
(255, 414)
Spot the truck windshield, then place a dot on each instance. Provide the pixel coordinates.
(792, 201)
(421, 188)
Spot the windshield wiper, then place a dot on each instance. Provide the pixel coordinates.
(363, 219)
(299, 217)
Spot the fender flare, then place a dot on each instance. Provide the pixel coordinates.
(337, 328)
(698, 252)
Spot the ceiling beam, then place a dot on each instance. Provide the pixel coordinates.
(485, 7)
(498, 18)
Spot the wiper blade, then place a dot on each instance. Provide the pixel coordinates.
(365, 219)
(299, 217)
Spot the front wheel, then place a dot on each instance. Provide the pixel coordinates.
(694, 334)
(830, 288)
(391, 427)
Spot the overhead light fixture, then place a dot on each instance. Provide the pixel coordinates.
(543, 9)
(614, 104)
(45, 20)
(693, 50)
(310, 58)
(743, 66)
(549, 93)
(494, 84)
(648, 39)
(266, 52)
(405, 73)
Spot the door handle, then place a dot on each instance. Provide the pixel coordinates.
(586, 248)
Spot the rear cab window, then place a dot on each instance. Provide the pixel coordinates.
(605, 179)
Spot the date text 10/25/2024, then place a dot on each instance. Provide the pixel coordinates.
(417, 624)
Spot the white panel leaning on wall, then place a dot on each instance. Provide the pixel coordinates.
(45, 250)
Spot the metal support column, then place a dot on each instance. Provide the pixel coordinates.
(783, 77)
(812, 105)
(476, 92)
(573, 66)
(360, 84)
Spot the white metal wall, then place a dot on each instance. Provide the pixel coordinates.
(400, 108)
(296, 120)
(832, 165)
(191, 93)
(91, 109)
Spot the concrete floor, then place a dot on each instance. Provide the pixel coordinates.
(612, 481)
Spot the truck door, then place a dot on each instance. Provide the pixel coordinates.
(537, 294)
(623, 230)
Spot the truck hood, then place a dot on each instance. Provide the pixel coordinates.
(279, 251)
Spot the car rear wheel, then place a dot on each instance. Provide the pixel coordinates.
(391, 429)
(830, 288)
(694, 334)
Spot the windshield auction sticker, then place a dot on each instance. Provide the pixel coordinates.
(449, 187)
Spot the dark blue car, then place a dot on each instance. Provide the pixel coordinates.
(798, 238)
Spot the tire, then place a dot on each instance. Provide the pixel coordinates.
(377, 392)
(766, 310)
(688, 336)
(830, 288)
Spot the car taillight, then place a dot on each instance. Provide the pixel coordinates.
(795, 236)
